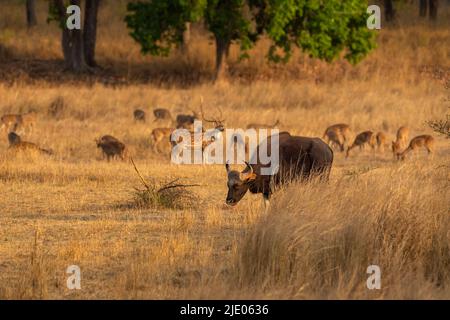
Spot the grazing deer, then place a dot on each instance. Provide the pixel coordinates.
(16, 122)
(160, 134)
(204, 141)
(10, 122)
(362, 139)
(57, 107)
(402, 140)
(263, 126)
(112, 147)
(339, 134)
(16, 144)
(162, 114)
(186, 121)
(218, 122)
(27, 121)
(139, 115)
(425, 140)
(381, 140)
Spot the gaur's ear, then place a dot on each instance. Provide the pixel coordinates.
(227, 166)
(250, 177)
(248, 174)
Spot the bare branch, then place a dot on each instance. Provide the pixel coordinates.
(139, 174)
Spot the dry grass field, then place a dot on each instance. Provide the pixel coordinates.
(316, 241)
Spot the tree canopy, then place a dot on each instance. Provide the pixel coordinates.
(323, 29)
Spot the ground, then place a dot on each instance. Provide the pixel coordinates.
(75, 208)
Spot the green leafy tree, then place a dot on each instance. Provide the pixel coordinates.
(324, 29)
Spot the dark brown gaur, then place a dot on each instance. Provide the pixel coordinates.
(112, 147)
(300, 158)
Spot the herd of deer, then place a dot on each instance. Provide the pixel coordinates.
(23, 123)
(339, 135)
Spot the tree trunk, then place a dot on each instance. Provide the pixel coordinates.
(90, 31)
(222, 47)
(433, 9)
(31, 13)
(389, 10)
(78, 60)
(186, 39)
(423, 8)
(71, 40)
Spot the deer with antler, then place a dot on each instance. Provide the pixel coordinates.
(204, 139)
(218, 122)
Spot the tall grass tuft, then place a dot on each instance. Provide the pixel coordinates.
(318, 240)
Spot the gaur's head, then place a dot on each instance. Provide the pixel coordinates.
(238, 183)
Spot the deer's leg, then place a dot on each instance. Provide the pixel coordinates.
(348, 151)
(341, 146)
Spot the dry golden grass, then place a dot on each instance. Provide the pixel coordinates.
(316, 241)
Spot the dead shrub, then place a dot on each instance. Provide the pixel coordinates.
(172, 195)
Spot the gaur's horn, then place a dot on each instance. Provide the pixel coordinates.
(249, 167)
(247, 172)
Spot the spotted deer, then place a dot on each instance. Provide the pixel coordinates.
(16, 144)
(203, 139)
(361, 140)
(401, 141)
(186, 121)
(28, 121)
(381, 140)
(425, 141)
(10, 122)
(162, 114)
(160, 134)
(339, 134)
(139, 115)
(19, 122)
